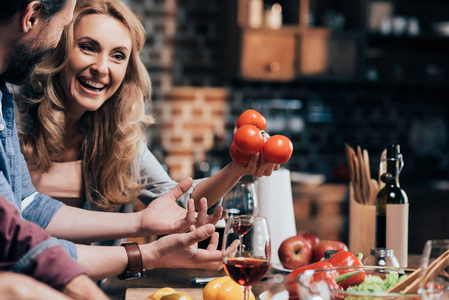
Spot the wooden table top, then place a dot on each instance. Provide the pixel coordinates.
(181, 279)
(175, 278)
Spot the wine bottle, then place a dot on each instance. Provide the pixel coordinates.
(392, 209)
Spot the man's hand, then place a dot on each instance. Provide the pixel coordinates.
(164, 215)
(181, 251)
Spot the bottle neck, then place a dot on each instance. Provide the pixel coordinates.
(393, 167)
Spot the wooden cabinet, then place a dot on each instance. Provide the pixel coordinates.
(280, 54)
(267, 54)
(312, 54)
(340, 40)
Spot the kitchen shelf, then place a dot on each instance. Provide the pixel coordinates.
(348, 54)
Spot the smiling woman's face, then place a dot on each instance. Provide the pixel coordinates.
(97, 63)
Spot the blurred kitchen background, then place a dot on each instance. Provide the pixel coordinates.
(324, 73)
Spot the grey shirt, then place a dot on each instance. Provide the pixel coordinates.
(159, 183)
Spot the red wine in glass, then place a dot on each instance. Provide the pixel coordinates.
(246, 271)
(242, 227)
(252, 260)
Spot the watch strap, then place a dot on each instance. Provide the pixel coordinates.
(135, 264)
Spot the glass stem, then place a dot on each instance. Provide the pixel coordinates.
(241, 244)
(246, 292)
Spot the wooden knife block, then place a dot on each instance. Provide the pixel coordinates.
(362, 225)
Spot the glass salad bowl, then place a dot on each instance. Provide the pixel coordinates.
(320, 284)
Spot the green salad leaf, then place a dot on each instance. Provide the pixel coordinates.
(375, 284)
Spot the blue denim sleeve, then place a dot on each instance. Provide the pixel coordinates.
(40, 211)
(70, 248)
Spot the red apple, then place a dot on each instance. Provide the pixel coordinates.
(312, 238)
(295, 252)
(322, 246)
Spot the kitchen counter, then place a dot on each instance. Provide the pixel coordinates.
(180, 279)
(175, 278)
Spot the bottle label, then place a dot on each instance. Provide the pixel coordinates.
(397, 231)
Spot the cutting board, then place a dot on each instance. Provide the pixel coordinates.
(144, 293)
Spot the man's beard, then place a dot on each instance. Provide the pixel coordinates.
(21, 61)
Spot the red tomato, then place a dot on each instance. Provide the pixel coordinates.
(251, 117)
(237, 156)
(248, 139)
(278, 149)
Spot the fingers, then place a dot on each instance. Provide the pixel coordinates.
(201, 218)
(218, 214)
(223, 214)
(199, 234)
(232, 248)
(181, 188)
(190, 215)
(213, 244)
(183, 225)
(253, 163)
(195, 245)
(262, 167)
(269, 169)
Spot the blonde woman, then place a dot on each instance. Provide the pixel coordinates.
(27, 30)
(84, 114)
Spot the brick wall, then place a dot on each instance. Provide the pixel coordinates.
(190, 120)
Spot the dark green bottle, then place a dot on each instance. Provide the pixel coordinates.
(392, 209)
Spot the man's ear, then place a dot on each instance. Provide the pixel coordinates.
(31, 16)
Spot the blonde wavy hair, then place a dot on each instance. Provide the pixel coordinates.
(115, 131)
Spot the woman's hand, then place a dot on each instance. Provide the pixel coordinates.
(164, 215)
(181, 251)
(257, 166)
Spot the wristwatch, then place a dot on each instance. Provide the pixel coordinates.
(135, 266)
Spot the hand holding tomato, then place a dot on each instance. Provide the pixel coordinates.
(251, 138)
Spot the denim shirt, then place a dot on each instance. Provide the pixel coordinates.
(15, 182)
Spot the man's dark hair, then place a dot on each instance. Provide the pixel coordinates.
(8, 8)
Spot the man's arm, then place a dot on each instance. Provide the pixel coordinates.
(28, 249)
(175, 250)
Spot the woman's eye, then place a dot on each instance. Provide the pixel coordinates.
(86, 47)
(119, 56)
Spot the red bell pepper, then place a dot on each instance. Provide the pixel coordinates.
(291, 279)
(329, 277)
(347, 259)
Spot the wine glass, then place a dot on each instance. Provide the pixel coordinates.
(434, 282)
(241, 200)
(252, 260)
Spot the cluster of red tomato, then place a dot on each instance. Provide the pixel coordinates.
(251, 138)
